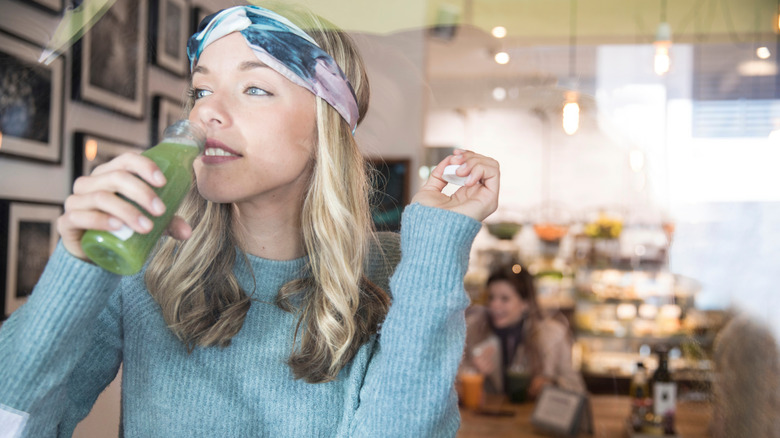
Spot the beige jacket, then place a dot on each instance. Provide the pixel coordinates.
(554, 340)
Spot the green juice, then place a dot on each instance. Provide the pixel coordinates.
(124, 251)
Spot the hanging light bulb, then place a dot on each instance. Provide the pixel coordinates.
(571, 114)
(571, 108)
(663, 40)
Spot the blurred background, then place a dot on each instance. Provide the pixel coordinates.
(638, 141)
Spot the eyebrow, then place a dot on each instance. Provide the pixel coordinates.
(244, 66)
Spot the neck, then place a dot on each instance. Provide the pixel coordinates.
(269, 231)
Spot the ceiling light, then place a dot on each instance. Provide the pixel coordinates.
(499, 93)
(502, 58)
(499, 32)
(663, 40)
(571, 114)
(763, 52)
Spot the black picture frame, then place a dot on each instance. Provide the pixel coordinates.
(31, 108)
(390, 181)
(169, 26)
(110, 60)
(52, 6)
(198, 14)
(92, 150)
(28, 236)
(165, 111)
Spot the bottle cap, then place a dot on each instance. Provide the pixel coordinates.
(450, 176)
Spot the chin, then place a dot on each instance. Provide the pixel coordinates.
(214, 194)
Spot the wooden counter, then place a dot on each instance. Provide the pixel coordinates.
(610, 413)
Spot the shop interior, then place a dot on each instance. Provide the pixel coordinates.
(637, 141)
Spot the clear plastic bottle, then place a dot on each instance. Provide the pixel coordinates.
(123, 251)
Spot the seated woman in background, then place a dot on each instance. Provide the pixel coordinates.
(512, 336)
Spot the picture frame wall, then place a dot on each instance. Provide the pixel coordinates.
(110, 61)
(31, 108)
(52, 6)
(165, 111)
(198, 15)
(91, 150)
(170, 28)
(28, 238)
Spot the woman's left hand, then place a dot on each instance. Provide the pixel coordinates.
(477, 199)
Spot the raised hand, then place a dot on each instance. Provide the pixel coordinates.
(478, 198)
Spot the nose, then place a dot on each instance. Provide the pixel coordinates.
(211, 112)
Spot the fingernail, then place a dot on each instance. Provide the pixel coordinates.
(158, 206)
(145, 223)
(159, 177)
(114, 223)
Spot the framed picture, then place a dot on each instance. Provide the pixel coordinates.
(91, 151)
(165, 111)
(48, 5)
(28, 236)
(30, 102)
(110, 60)
(170, 25)
(198, 14)
(391, 192)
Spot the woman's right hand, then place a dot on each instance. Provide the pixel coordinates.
(96, 204)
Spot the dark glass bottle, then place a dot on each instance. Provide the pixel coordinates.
(664, 392)
(640, 395)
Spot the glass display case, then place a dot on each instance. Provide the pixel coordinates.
(622, 316)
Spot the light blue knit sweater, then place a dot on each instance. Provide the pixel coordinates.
(59, 351)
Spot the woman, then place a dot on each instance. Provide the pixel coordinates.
(511, 336)
(280, 312)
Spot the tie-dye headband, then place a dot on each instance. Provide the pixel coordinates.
(284, 47)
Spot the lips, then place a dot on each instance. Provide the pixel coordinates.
(217, 152)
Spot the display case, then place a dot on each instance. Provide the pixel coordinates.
(622, 316)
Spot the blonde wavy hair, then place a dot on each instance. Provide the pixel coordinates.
(338, 308)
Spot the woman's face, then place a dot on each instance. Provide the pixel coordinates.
(505, 305)
(260, 126)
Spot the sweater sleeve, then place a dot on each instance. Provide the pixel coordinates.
(408, 388)
(45, 339)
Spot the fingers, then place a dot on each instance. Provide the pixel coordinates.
(137, 164)
(479, 168)
(128, 176)
(100, 200)
(105, 210)
(478, 198)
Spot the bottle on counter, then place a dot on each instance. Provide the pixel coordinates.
(639, 390)
(123, 251)
(664, 393)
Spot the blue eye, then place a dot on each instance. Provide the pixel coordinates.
(197, 93)
(256, 91)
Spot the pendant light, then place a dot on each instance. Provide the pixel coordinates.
(663, 41)
(571, 106)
